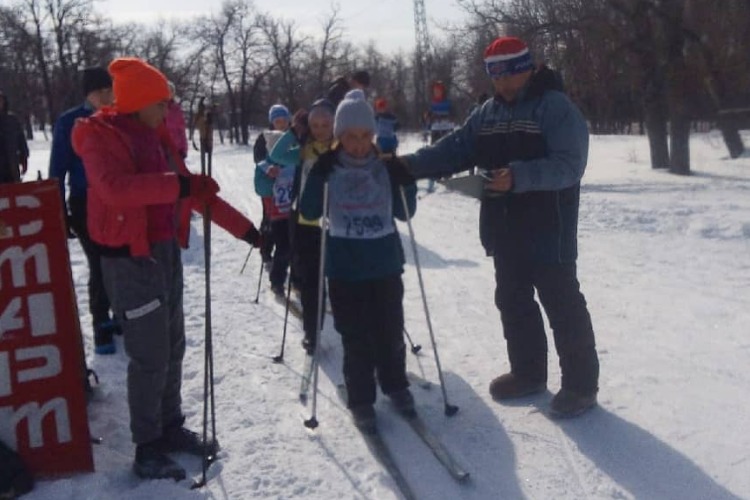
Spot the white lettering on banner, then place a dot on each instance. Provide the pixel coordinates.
(18, 257)
(25, 201)
(10, 319)
(42, 314)
(52, 364)
(5, 387)
(34, 415)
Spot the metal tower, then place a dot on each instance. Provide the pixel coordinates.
(422, 56)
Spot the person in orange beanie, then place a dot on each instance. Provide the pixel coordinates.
(139, 202)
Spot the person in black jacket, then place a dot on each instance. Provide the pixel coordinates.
(65, 163)
(340, 86)
(14, 152)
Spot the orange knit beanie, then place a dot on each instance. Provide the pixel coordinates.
(136, 84)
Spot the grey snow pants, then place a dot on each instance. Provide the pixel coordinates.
(146, 296)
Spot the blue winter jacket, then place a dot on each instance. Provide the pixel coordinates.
(543, 138)
(63, 161)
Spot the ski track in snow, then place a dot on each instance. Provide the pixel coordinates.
(665, 267)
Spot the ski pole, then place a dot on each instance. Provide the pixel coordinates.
(280, 357)
(414, 348)
(244, 264)
(450, 409)
(208, 364)
(312, 422)
(260, 279)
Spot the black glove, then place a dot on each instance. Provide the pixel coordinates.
(399, 171)
(324, 166)
(253, 237)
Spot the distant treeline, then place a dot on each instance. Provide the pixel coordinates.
(631, 65)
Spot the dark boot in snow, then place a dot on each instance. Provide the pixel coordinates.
(152, 463)
(403, 401)
(364, 418)
(103, 337)
(181, 440)
(278, 290)
(567, 403)
(510, 386)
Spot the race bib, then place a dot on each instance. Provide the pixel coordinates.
(361, 203)
(282, 189)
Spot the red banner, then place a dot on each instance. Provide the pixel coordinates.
(42, 400)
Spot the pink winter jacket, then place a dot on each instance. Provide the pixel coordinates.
(176, 126)
(119, 193)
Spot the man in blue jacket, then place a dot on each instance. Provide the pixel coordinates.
(97, 87)
(532, 142)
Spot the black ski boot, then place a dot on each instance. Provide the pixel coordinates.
(152, 463)
(103, 337)
(364, 418)
(403, 401)
(178, 439)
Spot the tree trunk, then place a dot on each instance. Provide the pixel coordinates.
(731, 134)
(655, 120)
(656, 127)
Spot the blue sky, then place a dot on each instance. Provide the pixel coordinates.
(390, 23)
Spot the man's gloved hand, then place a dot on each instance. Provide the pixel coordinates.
(399, 171)
(253, 237)
(201, 187)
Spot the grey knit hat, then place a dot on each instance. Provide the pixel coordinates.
(353, 112)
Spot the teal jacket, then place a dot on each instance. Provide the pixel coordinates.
(355, 259)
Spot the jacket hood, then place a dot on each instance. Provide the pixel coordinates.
(542, 80)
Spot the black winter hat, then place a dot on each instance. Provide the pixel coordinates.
(362, 77)
(95, 78)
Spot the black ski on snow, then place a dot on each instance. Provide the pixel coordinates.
(383, 454)
(437, 447)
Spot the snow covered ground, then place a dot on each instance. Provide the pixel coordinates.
(665, 266)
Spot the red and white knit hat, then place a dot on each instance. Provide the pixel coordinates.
(507, 55)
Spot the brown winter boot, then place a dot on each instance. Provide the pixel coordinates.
(510, 386)
(568, 404)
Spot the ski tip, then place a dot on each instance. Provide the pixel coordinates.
(97, 440)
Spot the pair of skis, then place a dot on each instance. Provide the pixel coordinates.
(383, 454)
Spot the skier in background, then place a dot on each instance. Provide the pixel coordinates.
(65, 163)
(274, 183)
(364, 258)
(440, 119)
(14, 152)
(386, 127)
(358, 80)
(290, 150)
(176, 124)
